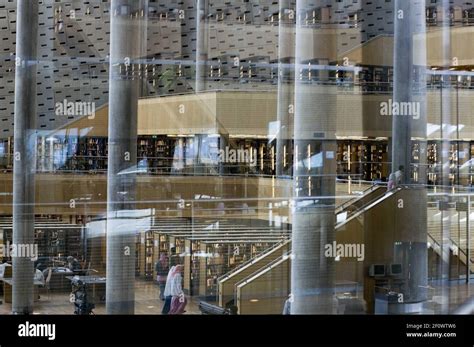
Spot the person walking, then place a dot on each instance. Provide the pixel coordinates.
(399, 175)
(162, 268)
(167, 292)
(178, 302)
(395, 178)
(391, 181)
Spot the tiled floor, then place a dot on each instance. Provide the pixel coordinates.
(146, 302)
(456, 292)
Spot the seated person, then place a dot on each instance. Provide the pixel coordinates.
(73, 264)
(2, 269)
(39, 275)
(42, 263)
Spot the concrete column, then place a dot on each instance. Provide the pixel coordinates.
(201, 44)
(285, 107)
(127, 18)
(446, 135)
(202, 57)
(406, 85)
(409, 87)
(24, 157)
(312, 273)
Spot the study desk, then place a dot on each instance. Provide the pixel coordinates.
(95, 286)
(8, 286)
(59, 281)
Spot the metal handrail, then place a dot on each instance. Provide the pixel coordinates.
(363, 208)
(465, 308)
(267, 251)
(471, 260)
(285, 256)
(452, 242)
(433, 240)
(253, 260)
(356, 198)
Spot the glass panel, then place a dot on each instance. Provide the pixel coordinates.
(249, 157)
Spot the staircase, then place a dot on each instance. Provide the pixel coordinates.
(265, 289)
(457, 258)
(370, 194)
(272, 260)
(227, 282)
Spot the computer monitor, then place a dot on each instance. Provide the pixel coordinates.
(395, 269)
(377, 270)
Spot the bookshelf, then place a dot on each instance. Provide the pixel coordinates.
(463, 163)
(416, 160)
(163, 245)
(55, 242)
(179, 243)
(162, 154)
(378, 162)
(187, 267)
(214, 267)
(369, 160)
(433, 163)
(197, 261)
(156, 251)
(157, 150)
(350, 158)
(223, 258)
(145, 255)
(73, 242)
(149, 251)
(139, 251)
(453, 162)
(165, 154)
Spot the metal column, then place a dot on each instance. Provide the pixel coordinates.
(24, 157)
(445, 135)
(201, 44)
(285, 108)
(127, 19)
(410, 239)
(314, 169)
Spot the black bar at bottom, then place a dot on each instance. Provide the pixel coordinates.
(197, 329)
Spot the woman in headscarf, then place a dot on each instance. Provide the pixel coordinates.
(178, 302)
(167, 292)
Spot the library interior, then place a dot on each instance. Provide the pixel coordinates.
(243, 157)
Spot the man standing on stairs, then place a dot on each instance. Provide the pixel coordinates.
(399, 175)
(395, 178)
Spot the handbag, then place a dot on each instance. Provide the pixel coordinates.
(178, 304)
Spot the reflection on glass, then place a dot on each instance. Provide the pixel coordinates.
(252, 157)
